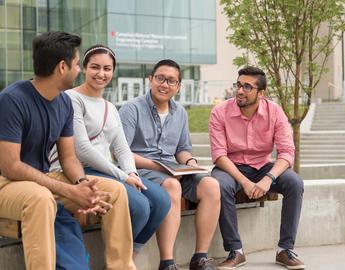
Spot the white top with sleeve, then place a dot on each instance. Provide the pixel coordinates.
(109, 149)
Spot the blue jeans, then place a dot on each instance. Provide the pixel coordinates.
(147, 208)
(289, 184)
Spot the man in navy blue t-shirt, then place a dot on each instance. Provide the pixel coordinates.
(34, 115)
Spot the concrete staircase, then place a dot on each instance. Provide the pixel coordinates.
(323, 145)
(323, 148)
(329, 116)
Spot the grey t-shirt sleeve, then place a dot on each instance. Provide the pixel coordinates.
(11, 119)
(85, 150)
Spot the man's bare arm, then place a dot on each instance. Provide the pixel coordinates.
(145, 163)
(70, 164)
(74, 171)
(183, 156)
(15, 170)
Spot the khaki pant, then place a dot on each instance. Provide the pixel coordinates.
(36, 207)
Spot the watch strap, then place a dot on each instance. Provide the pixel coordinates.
(274, 179)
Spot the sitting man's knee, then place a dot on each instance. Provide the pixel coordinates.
(298, 184)
(209, 187)
(173, 187)
(226, 184)
(44, 199)
(291, 183)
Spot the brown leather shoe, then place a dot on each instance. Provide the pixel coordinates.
(289, 259)
(233, 261)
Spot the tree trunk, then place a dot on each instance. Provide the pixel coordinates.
(297, 139)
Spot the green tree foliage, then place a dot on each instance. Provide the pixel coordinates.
(291, 40)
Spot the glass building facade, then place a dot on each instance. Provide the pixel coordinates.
(141, 32)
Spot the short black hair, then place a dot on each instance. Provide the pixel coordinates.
(257, 73)
(97, 49)
(49, 48)
(167, 62)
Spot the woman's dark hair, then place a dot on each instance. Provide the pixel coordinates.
(257, 73)
(167, 62)
(49, 48)
(97, 49)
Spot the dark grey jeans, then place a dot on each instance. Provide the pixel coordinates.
(289, 184)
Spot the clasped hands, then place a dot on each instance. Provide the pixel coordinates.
(90, 198)
(257, 190)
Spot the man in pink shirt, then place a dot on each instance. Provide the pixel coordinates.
(243, 131)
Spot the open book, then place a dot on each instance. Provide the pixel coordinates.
(176, 169)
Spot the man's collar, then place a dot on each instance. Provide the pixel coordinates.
(233, 109)
(261, 110)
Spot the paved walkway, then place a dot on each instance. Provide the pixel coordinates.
(315, 258)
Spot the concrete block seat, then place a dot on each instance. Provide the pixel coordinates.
(12, 228)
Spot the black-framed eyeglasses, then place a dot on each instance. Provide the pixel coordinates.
(161, 79)
(246, 86)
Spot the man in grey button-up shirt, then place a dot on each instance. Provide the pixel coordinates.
(156, 128)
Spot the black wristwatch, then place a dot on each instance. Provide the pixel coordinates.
(191, 159)
(274, 179)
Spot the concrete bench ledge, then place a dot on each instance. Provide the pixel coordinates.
(322, 223)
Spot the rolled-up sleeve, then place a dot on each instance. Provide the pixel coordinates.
(184, 143)
(283, 138)
(217, 134)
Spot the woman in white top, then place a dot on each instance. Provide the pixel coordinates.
(102, 148)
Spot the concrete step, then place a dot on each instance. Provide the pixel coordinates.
(322, 171)
(336, 107)
(328, 127)
(321, 161)
(334, 110)
(321, 115)
(330, 105)
(322, 155)
(201, 150)
(328, 121)
(204, 161)
(323, 151)
(200, 138)
(329, 142)
(322, 147)
(327, 138)
(323, 135)
(330, 113)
